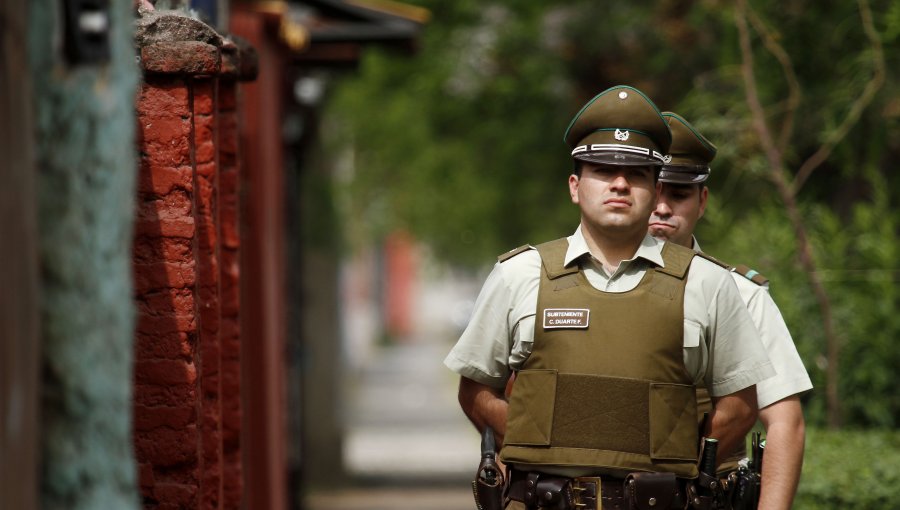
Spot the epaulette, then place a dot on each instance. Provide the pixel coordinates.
(750, 274)
(515, 251)
(715, 261)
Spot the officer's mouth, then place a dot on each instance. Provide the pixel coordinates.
(661, 226)
(617, 202)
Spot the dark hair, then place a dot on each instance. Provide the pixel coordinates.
(577, 169)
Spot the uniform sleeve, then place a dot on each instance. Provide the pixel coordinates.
(737, 356)
(482, 352)
(790, 376)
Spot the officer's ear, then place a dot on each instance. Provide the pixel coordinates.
(704, 196)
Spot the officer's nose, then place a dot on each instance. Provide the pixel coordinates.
(620, 182)
(662, 209)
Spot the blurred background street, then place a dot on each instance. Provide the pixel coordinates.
(406, 442)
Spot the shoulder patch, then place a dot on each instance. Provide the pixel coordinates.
(751, 274)
(515, 251)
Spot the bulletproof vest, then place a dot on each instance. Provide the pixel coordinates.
(605, 385)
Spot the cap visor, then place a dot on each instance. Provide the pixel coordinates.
(617, 158)
(678, 177)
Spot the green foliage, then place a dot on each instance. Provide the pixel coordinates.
(461, 145)
(853, 470)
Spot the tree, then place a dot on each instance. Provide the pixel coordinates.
(788, 185)
(462, 146)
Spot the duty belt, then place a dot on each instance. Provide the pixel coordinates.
(651, 491)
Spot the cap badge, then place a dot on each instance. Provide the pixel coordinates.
(623, 95)
(622, 135)
(667, 159)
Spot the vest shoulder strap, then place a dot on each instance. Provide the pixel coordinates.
(513, 252)
(677, 260)
(553, 256)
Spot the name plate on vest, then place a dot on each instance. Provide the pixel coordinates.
(557, 318)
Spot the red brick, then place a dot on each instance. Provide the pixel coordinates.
(164, 94)
(171, 226)
(230, 297)
(149, 418)
(208, 270)
(170, 345)
(145, 476)
(166, 302)
(163, 275)
(162, 180)
(165, 372)
(164, 130)
(173, 205)
(227, 95)
(232, 481)
(177, 153)
(151, 249)
(166, 447)
(203, 97)
(211, 421)
(152, 325)
(156, 395)
(176, 496)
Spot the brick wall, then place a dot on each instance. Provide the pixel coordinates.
(187, 410)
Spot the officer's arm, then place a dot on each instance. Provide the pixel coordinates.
(731, 418)
(483, 405)
(785, 436)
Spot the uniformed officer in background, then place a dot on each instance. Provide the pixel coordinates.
(609, 331)
(682, 202)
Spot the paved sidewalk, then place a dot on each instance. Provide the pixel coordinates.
(407, 445)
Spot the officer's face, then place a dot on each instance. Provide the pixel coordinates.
(677, 211)
(614, 198)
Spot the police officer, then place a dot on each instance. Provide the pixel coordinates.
(609, 331)
(682, 202)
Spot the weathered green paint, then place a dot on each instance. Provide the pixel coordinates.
(84, 119)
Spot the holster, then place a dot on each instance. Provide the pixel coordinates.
(488, 496)
(745, 493)
(717, 495)
(654, 491)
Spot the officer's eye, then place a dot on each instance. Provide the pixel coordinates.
(639, 173)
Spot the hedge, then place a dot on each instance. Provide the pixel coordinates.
(850, 470)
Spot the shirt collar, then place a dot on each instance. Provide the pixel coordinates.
(695, 245)
(650, 249)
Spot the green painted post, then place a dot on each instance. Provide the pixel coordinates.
(86, 167)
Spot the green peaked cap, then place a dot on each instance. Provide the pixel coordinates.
(689, 157)
(619, 126)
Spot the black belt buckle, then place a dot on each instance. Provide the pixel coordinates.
(586, 493)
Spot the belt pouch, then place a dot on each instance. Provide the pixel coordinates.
(554, 493)
(651, 491)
